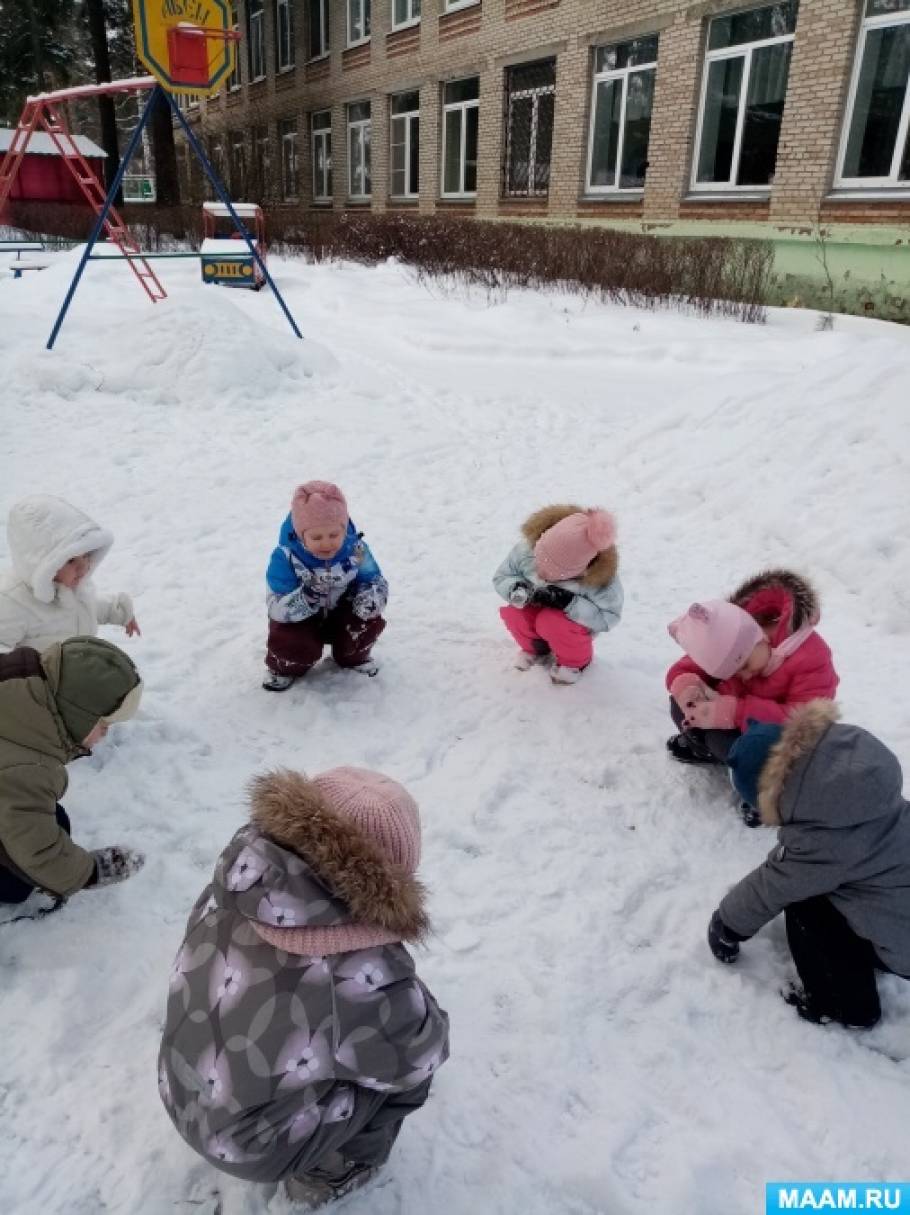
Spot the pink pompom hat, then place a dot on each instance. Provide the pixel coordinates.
(318, 504)
(566, 549)
(718, 635)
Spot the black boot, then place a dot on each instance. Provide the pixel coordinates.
(688, 749)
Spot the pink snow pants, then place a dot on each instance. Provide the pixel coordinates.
(530, 626)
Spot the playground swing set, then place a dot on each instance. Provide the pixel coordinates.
(189, 57)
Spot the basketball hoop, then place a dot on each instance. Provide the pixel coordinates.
(188, 53)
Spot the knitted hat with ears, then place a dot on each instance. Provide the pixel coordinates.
(718, 635)
(566, 549)
(318, 504)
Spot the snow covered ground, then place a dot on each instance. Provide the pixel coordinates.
(603, 1063)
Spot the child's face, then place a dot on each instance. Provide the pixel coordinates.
(324, 542)
(756, 662)
(71, 574)
(100, 730)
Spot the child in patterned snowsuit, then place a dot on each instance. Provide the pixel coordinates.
(324, 588)
(298, 1036)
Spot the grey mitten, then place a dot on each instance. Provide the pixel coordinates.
(114, 865)
(520, 594)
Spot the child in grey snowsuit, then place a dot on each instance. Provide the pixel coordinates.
(841, 870)
(298, 1036)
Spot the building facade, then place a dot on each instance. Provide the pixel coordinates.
(652, 111)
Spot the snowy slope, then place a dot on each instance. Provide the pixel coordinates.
(602, 1061)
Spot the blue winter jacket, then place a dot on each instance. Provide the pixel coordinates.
(300, 584)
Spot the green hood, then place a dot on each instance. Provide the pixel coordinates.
(89, 679)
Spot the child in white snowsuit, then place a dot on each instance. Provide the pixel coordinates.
(562, 587)
(324, 589)
(48, 596)
(298, 1036)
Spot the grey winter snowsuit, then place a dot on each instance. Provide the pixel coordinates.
(835, 792)
(271, 1061)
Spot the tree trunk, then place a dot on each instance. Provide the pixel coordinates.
(34, 29)
(106, 111)
(164, 154)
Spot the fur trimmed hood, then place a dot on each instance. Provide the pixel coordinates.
(301, 864)
(800, 735)
(44, 533)
(605, 566)
(783, 593)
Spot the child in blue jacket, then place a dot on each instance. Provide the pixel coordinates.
(324, 589)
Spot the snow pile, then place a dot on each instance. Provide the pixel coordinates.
(602, 1061)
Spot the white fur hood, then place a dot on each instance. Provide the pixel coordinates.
(43, 533)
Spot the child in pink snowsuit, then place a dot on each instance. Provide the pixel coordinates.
(562, 587)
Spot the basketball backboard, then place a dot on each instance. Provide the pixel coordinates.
(187, 45)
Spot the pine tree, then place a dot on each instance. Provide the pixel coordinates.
(38, 51)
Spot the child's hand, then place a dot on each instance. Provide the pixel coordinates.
(689, 690)
(520, 594)
(552, 597)
(719, 713)
(132, 628)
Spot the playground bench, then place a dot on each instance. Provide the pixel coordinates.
(19, 267)
(21, 246)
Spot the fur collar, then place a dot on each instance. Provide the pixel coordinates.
(602, 570)
(801, 734)
(291, 811)
(800, 591)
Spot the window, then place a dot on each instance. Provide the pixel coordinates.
(256, 38)
(405, 12)
(876, 142)
(216, 159)
(358, 21)
(359, 150)
(405, 145)
(284, 35)
(261, 185)
(745, 83)
(621, 100)
(530, 97)
(287, 142)
(318, 23)
(322, 156)
(460, 111)
(452, 4)
(235, 79)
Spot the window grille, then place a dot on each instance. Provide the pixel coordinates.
(530, 97)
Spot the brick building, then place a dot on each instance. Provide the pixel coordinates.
(620, 110)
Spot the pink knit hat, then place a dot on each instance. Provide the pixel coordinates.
(566, 549)
(387, 814)
(718, 635)
(318, 504)
(380, 807)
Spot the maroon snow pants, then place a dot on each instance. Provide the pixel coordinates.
(294, 648)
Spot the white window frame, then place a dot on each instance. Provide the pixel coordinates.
(741, 50)
(235, 80)
(463, 106)
(413, 18)
(288, 7)
(326, 44)
(261, 157)
(236, 161)
(892, 181)
(605, 77)
(288, 136)
(452, 6)
(356, 129)
(408, 117)
(321, 135)
(257, 19)
(365, 20)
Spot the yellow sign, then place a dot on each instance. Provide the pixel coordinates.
(171, 41)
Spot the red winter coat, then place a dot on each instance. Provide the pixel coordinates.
(806, 675)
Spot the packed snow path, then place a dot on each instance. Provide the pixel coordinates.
(603, 1063)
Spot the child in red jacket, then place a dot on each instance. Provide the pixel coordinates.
(754, 657)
